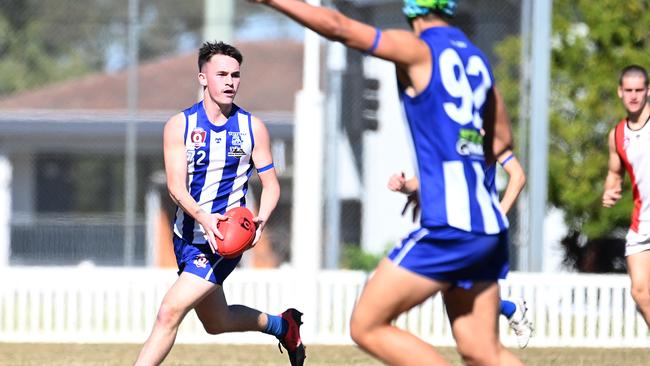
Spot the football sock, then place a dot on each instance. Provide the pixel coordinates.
(508, 308)
(276, 325)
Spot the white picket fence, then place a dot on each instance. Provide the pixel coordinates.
(118, 305)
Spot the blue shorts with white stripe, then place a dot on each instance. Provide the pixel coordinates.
(198, 259)
(451, 255)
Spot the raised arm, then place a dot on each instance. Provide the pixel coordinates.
(176, 173)
(263, 160)
(615, 173)
(399, 46)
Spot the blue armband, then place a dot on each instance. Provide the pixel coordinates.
(375, 43)
(265, 168)
(506, 160)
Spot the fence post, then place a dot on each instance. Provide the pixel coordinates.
(5, 210)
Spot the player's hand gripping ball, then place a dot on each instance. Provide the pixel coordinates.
(238, 232)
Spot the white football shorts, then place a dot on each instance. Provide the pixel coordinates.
(636, 242)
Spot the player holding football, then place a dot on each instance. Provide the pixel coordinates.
(448, 93)
(210, 150)
(515, 311)
(629, 151)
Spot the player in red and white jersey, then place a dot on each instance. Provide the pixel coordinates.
(629, 151)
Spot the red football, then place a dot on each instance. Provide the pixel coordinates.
(238, 232)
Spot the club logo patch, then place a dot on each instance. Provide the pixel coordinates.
(200, 261)
(470, 143)
(197, 137)
(236, 137)
(236, 150)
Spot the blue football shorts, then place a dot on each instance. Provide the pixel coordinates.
(198, 259)
(450, 255)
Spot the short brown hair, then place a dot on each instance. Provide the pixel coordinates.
(209, 49)
(633, 70)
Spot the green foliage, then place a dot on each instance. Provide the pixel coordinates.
(591, 42)
(26, 62)
(353, 257)
(47, 41)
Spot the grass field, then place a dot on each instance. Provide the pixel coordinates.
(268, 355)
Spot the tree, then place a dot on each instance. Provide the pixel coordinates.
(591, 42)
(48, 41)
(28, 59)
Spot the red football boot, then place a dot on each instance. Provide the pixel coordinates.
(291, 340)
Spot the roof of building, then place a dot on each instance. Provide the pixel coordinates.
(271, 76)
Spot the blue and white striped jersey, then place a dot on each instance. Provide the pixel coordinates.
(218, 166)
(491, 181)
(445, 120)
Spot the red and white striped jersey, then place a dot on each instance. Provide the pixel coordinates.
(633, 146)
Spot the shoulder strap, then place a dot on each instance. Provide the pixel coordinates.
(187, 112)
(619, 136)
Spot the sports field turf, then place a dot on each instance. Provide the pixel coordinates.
(268, 355)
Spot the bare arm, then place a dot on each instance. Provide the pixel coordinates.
(498, 131)
(615, 174)
(176, 173)
(516, 180)
(262, 157)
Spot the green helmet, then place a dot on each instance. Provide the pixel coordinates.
(416, 8)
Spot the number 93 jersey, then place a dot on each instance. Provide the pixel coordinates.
(446, 121)
(218, 166)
